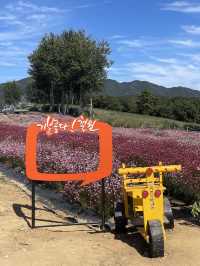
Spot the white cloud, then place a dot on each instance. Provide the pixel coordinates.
(25, 6)
(126, 45)
(151, 64)
(28, 7)
(10, 19)
(89, 5)
(196, 58)
(84, 6)
(159, 61)
(192, 29)
(132, 43)
(168, 75)
(17, 35)
(147, 68)
(166, 60)
(7, 17)
(37, 17)
(155, 44)
(186, 43)
(137, 43)
(116, 37)
(6, 44)
(7, 64)
(182, 6)
(193, 57)
(30, 20)
(13, 51)
(23, 21)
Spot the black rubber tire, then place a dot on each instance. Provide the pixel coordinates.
(156, 239)
(120, 221)
(168, 214)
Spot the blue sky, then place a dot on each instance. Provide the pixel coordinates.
(158, 41)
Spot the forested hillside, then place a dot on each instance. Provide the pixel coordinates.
(115, 88)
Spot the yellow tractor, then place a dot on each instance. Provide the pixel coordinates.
(144, 206)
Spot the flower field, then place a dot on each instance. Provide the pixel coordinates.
(78, 152)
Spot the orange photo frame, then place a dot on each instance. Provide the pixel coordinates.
(105, 158)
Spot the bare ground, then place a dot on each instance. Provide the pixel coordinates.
(77, 245)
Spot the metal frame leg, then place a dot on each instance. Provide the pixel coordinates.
(103, 194)
(33, 204)
(103, 200)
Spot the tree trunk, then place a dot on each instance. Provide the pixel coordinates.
(66, 105)
(62, 101)
(51, 97)
(72, 102)
(59, 108)
(91, 111)
(81, 100)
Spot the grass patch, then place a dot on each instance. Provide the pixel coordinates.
(130, 120)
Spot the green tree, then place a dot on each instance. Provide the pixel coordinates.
(185, 109)
(146, 103)
(11, 93)
(68, 66)
(44, 69)
(114, 104)
(128, 104)
(30, 92)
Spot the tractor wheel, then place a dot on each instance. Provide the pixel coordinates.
(168, 214)
(119, 216)
(156, 239)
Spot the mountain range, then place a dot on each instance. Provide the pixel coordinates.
(133, 88)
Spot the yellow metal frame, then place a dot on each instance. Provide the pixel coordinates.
(151, 207)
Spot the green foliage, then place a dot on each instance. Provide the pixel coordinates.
(130, 120)
(179, 190)
(129, 104)
(181, 109)
(134, 88)
(11, 93)
(68, 66)
(196, 209)
(146, 103)
(31, 92)
(108, 102)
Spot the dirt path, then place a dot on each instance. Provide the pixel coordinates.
(79, 245)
